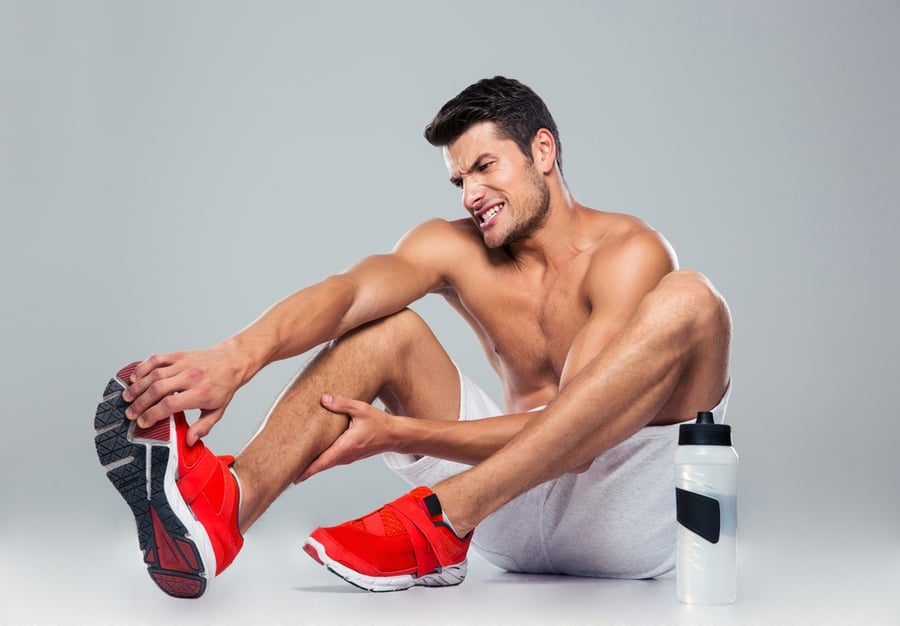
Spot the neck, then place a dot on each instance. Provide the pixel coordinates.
(556, 241)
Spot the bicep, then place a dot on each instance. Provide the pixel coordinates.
(386, 283)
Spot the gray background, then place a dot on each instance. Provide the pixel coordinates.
(169, 169)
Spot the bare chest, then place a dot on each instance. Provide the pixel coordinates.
(526, 330)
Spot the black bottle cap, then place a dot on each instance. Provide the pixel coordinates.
(704, 432)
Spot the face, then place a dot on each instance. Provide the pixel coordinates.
(502, 190)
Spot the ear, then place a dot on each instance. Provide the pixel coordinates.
(543, 150)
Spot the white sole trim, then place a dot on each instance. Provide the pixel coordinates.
(196, 532)
(445, 577)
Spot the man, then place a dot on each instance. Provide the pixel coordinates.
(602, 346)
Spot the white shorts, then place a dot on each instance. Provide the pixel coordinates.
(617, 520)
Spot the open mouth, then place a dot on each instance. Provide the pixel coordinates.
(487, 217)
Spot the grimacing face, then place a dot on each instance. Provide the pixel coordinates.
(502, 189)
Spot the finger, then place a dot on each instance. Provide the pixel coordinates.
(157, 361)
(160, 391)
(170, 404)
(337, 453)
(328, 459)
(202, 427)
(147, 372)
(342, 404)
(313, 469)
(146, 382)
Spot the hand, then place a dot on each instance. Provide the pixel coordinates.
(180, 381)
(369, 433)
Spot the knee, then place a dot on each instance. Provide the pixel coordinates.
(689, 297)
(393, 331)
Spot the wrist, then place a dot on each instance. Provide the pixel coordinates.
(245, 358)
(402, 435)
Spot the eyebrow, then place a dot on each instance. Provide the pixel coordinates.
(456, 181)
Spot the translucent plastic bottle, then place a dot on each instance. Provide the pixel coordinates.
(706, 500)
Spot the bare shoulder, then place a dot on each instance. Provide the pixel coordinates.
(440, 245)
(617, 235)
(627, 250)
(439, 236)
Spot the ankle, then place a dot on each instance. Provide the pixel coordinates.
(454, 515)
(244, 500)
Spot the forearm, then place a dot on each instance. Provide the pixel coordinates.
(294, 325)
(377, 286)
(467, 442)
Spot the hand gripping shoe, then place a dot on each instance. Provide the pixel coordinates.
(184, 499)
(403, 544)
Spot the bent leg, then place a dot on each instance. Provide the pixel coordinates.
(670, 361)
(396, 359)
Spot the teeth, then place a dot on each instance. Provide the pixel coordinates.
(485, 217)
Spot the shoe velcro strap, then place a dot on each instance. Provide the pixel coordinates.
(419, 527)
(198, 476)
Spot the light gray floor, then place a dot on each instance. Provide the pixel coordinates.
(75, 575)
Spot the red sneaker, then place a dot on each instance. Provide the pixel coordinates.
(184, 499)
(402, 544)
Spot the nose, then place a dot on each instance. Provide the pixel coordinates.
(473, 194)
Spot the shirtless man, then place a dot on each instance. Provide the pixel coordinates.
(602, 346)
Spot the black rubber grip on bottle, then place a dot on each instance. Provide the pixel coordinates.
(698, 513)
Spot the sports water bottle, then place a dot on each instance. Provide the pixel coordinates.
(706, 505)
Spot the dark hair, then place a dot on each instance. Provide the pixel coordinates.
(515, 108)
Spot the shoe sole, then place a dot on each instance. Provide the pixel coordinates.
(449, 576)
(141, 464)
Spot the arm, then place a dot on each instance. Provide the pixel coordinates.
(207, 379)
(614, 286)
(372, 431)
